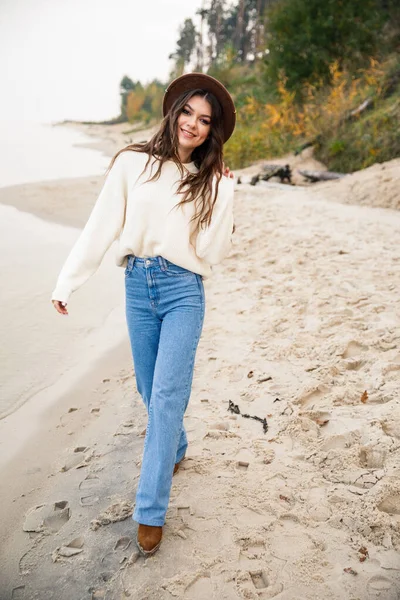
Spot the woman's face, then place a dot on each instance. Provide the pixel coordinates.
(194, 123)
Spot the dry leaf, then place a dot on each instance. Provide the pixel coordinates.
(321, 422)
(250, 374)
(362, 558)
(350, 570)
(364, 397)
(285, 498)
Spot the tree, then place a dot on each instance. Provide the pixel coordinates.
(216, 35)
(306, 36)
(202, 12)
(186, 41)
(134, 104)
(126, 86)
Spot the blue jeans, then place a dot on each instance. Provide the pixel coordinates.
(165, 313)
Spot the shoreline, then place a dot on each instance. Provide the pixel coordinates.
(108, 139)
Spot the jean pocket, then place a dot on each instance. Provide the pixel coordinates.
(175, 271)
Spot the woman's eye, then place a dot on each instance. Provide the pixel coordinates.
(205, 122)
(185, 110)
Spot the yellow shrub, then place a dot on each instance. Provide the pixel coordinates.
(268, 130)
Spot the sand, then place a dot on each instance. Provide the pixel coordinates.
(302, 329)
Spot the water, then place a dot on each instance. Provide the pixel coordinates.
(32, 151)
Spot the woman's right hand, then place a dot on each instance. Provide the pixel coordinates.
(60, 307)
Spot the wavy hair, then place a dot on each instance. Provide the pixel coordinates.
(208, 158)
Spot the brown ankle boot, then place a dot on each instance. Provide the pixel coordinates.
(177, 465)
(148, 539)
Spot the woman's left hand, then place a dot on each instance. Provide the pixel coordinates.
(227, 172)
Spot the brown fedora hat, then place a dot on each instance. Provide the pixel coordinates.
(192, 81)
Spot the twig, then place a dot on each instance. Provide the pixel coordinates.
(235, 409)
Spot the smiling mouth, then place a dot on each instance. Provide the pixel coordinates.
(187, 133)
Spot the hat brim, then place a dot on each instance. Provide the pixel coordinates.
(191, 81)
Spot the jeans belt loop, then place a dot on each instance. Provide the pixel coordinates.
(163, 263)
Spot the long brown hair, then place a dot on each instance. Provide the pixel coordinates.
(208, 158)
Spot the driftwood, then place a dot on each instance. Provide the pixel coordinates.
(300, 149)
(314, 176)
(368, 103)
(255, 179)
(283, 172)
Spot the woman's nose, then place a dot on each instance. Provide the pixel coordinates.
(191, 122)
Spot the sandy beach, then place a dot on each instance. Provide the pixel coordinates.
(301, 331)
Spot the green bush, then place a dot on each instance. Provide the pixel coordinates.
(374, 137)
(306, 36)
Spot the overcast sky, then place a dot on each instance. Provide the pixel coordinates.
(64, 59)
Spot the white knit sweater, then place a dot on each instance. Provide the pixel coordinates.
(144, 218)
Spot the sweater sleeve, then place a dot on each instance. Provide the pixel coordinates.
(103, 227)
(214, 242)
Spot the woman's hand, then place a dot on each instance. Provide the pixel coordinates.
(60, 307)
(227, 172)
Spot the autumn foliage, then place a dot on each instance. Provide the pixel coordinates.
(274, 128)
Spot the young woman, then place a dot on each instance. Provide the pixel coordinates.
(169, 203)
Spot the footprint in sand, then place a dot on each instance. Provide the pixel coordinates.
(379, 583)
(117, 557)
(68, 550)
(353, 364)
(259, 579)
(88, 500)
(251, 549)
(80, 449)
(80, 458)
(313, 397)
(353, 349)
(256, 584)
(390, 504)
(126, 428)
(47, 517)
(340, 441)
(288, 541)
(18, 593)
(317, 504)
(88, 488)
(242, 465)
(264, 589)
(201, 587)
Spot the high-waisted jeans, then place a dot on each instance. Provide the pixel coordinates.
(165, 312)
